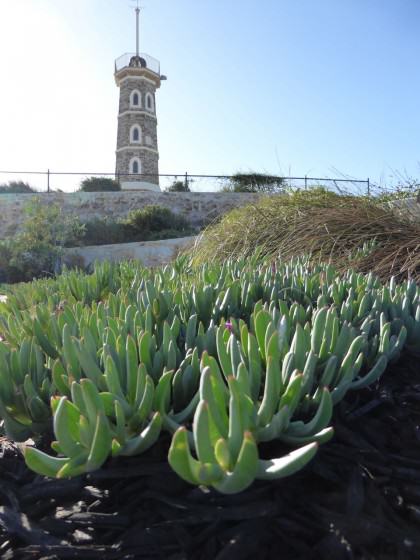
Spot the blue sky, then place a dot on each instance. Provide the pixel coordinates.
(317, 87)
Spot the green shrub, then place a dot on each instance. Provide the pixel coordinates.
(255, 183)
(149, 224)
(154, 218)
(36, 250)
(99, 184)
(104, 231)
(179, 186)
(8, 273)
(18, 187)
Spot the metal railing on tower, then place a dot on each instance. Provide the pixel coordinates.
(123, 61)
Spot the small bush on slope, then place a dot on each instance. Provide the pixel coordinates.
(35, 251)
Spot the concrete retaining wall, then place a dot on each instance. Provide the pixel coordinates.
(150, 253)
(198, 208)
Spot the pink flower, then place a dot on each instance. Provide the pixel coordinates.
(228, 326)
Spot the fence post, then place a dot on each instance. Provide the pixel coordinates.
(48, 181)
(306, 183)
(368, 186)
(186, 181)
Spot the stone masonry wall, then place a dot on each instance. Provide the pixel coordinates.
(147, 121)
(127, 87)
(198, 208)
(149, 166)
(147, 124)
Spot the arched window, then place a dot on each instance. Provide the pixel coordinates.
(150, 106)
(135, 134)
(135, 166)
(135, 98)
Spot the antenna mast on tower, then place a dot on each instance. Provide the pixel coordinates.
(137, 28)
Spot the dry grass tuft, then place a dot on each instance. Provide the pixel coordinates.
(348, 231)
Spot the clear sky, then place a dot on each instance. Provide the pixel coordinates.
(317, 87)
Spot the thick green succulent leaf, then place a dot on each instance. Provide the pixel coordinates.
(146, 438)
(42, 463)
(287, 465)
(184, 464)
(101, 444)
(66, 430)
(244, 471)
(320, 420)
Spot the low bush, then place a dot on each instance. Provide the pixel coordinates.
(154, 218)
(148, 224)
(35, 251)
(99, 184)
(179, 186)
(102, 231)
(8, 273)
(253, 182)
(16, 187)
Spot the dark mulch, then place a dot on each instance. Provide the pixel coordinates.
(360, 498)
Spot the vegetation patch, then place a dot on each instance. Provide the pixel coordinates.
(163, 409)
(36, 251)
(224, 359)
(345, 230)
(230, 376)
(99, 184)
(150, 223)
(254, 182)
(17, 187)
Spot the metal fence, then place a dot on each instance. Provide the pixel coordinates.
(62, 181)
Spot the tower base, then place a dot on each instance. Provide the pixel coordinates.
(139, 186)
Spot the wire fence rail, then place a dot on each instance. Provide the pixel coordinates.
(69, 181)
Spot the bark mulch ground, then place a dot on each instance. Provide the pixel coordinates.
(360, 498)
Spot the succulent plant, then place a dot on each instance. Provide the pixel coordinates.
(223, 358)
(94, 425)
(25, 390)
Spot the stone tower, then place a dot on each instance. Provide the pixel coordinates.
(138, 77)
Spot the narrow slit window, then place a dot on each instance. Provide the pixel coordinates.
(149, 102)
(135, 99)
(135, 166)
(135, 134)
